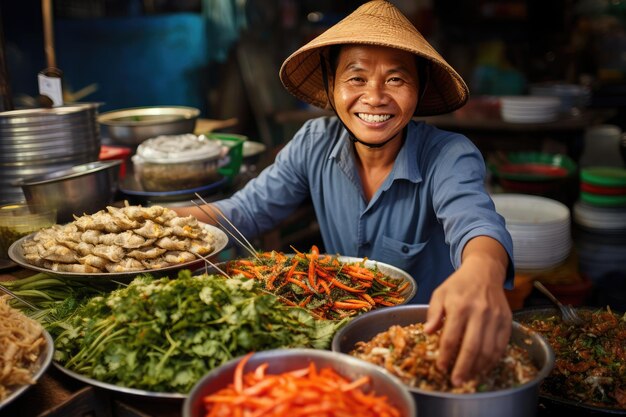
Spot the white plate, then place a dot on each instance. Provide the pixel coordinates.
(539, 118)
(220, 242)
(43, 362)
(251, 148)
(524, 209)
(530, 102)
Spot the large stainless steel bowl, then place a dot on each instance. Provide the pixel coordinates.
(284, 360)
(513, 402)
(132, 126)
(81, 189)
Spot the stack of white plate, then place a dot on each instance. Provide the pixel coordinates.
(572, 96)
(610, 220)
(540, 228)
(529, 109)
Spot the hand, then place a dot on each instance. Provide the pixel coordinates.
(473, 311)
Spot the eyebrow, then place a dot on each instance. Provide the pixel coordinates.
(398, 68)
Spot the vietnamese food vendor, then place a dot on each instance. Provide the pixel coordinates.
(387, 187)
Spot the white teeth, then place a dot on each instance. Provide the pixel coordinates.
(374, 118)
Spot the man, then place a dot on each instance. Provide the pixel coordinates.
(388, 188)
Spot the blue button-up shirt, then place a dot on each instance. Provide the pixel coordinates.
(430, 205)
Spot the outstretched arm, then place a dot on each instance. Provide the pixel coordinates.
(473, 311)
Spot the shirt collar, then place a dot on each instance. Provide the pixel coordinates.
(406, 166)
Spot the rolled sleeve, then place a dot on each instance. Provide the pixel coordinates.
(461, 202)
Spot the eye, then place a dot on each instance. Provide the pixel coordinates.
(356, 80)
(395, 81)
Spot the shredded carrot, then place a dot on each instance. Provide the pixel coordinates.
(322, 280)
(239, 373)
(306, 391)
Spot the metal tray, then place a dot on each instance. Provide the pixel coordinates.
(221, 240)
(387, 269)
(43, 362)
(553, 403)
(118, 388)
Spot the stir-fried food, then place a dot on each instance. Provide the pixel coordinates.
(308, 391)
(21, 343)
(410, 354)
(590, 364)
(321, 283)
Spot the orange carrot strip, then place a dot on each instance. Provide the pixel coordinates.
(344, 286)
(239, 372)
(325, 286)
(368, 298)
(259, 372)
(299, 284)
(306, 300)
(349, 306)
(355, 384)
(312, 260)
(383, 282)
(242, 272)
(403, 286)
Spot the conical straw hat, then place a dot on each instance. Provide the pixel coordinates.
(377, 22)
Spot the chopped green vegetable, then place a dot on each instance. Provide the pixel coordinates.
(164, 334)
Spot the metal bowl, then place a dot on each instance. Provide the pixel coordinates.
(80, 189)
(132, 126)
(565, 404)
(41, 366)
(513, 402)
(285, 360)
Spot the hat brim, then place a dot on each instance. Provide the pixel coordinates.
(376, 23)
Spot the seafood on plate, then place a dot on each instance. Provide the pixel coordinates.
(117, 240)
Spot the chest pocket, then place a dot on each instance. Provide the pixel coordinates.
(407, 256)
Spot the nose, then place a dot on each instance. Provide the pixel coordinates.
(375, 94)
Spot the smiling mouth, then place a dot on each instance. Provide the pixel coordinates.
(373, 118)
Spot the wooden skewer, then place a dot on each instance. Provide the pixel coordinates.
(208, 262)
(247, 246)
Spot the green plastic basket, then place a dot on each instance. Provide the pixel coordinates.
(235, 144)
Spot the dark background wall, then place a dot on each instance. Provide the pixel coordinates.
(142, 53)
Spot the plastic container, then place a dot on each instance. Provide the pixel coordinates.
(108, 153)
(234, 143)
(21, 219)
(178, 162)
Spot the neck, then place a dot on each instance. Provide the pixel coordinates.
(354, 139)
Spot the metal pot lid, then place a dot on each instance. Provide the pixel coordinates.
(73, 172)
(43, 115)
(140, 116)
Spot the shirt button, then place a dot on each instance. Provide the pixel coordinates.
(405, 249)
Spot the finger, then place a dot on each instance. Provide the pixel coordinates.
(487, 355)
(503, 336)
(450, 340)
(498, 334)
(470, 349)
(434, 315)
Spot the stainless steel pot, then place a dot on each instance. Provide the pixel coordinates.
(81, 189)
(513, 402)
(132, 126)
